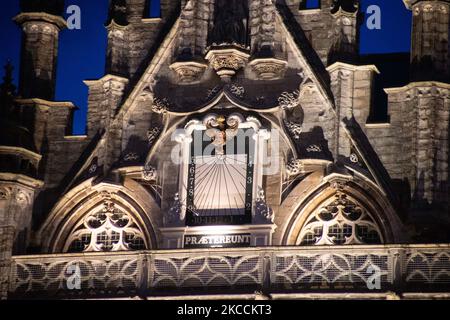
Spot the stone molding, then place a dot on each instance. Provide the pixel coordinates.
(189, 71)
(269, 68)
(41, 17)
(227, 61)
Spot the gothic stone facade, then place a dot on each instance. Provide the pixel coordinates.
(286, 84)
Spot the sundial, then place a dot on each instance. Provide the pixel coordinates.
(220, 180)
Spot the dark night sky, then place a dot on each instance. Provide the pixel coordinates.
(82, 52)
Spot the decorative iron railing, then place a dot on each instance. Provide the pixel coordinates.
(408, 268)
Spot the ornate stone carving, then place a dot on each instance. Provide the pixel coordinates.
(221, 130)
(269, 69)
(227, 61)
(338, 185)
(238, 91)
(354, 158)
(263, 213)
(5, 193)
(211, 93)
(22, 198)
(294, 167)
(340, 222)
(149, 173)
(289, 100)
(160, 106)
(107, 229)
(175, 213)
(314, 148)
(294, 129)
(93, 168)
(132, 156)
(152, 135)
(189, 71)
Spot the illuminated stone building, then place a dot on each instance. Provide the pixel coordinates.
(231, 148)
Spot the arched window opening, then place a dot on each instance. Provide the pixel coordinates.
(340, 222)
(107, 228)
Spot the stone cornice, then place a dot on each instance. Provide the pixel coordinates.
(20, 151)
(106, 78)
(41, 17)
(351, 67)
(414, 85)
(41, 102)
(22, 179)
(410, 3)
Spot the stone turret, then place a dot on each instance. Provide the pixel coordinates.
(345, 21)
(18, 184)
(430, 33)
(41, 22)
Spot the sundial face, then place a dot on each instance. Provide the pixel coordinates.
(220, 180)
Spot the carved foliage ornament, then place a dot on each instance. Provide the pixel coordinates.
(294, 129)
(294, 167)
(153, 134)
(340, 222)
(160, 106)
(289, 100)
(263, 213)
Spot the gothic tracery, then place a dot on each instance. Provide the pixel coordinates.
(340, 222)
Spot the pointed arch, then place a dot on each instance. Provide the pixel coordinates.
(120, 217)
(343, 210)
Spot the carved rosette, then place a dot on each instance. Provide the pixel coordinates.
(189, 71)
(227, 61)
(269, 68)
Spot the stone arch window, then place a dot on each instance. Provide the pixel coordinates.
(106, 228)
(340, 221)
